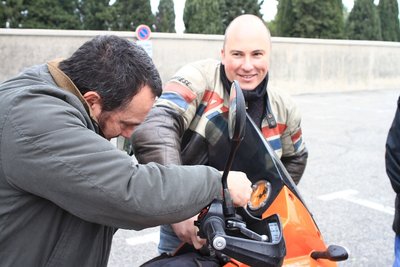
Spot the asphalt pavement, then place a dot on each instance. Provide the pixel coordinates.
(345, 184)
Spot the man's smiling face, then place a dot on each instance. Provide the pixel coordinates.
(246, 52)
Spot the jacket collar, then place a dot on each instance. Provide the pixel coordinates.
(65, 83)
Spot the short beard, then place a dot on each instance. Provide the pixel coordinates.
(103, 117)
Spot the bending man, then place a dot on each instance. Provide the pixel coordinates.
(64, 188)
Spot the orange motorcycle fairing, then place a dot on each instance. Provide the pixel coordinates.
(300, 232)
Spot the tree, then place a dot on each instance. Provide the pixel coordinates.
(271, 25)
(50, 14)
(131, 14)
(46, 14)
(165, 17)
(233, 8)
(10, 13)
(203, 16)
(310, 19)
(284, 18)
(363, 22)
(96, 14)
(389, 18)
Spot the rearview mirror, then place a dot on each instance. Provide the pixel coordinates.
(237, 113)
(236, 128)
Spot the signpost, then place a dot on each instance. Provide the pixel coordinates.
(143, 33)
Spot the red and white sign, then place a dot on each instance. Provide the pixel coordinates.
(143, 32)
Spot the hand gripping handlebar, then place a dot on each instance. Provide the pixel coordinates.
(237, 241)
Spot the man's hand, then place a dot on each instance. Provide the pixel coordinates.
(187, 232)
(239, 188)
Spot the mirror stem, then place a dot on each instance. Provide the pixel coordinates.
(229, 208)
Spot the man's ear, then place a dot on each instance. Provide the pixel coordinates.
(94, 102)
(223, 56)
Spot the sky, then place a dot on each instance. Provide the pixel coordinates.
(269, 9)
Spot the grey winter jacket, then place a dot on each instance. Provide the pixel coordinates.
(65, 190)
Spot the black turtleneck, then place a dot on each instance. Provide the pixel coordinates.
(255, 99)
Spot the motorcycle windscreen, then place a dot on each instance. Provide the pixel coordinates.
(254, 156)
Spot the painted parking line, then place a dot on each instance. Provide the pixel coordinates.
(349, 195)
(143, 239)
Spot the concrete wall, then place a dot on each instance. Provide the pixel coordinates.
(297, 65)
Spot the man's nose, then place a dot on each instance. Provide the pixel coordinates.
(128, 132)
(247, 64)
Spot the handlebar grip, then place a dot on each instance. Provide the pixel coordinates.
(214, 230)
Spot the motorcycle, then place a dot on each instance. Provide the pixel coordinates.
(276, 228)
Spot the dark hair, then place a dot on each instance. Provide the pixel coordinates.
(113, 67)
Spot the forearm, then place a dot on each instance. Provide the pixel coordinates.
(84, 174)
(296, 165)
(157, 139)
(166, 194)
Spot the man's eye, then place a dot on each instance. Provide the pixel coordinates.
(124, 125)
(129, 125)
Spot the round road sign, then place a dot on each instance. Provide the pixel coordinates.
(143, 32)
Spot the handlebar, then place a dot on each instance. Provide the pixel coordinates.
(242, 243)
(214, 228)
(211, 222)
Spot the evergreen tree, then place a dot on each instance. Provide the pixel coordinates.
(10, 13)
(285, 18)
(131, 14)
(389, 18)
(165, 17)
(271, 25)
(363, 22)
(233, 8)
(96, 14)
(203, 16)
(50, 14)
(310, 19)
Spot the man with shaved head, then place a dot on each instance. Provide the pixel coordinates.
(186, 123)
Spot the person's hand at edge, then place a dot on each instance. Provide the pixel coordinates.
(187, 232)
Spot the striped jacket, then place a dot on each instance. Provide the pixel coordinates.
(188, 125)
(196, 93)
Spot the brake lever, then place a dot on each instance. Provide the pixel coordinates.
(232, 224)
